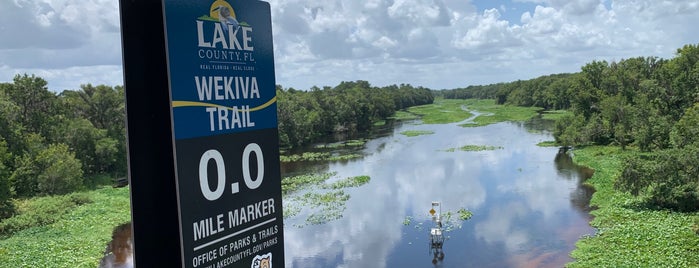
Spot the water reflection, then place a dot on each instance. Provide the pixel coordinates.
(529, 206)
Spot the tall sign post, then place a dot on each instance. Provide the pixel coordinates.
(204, 77)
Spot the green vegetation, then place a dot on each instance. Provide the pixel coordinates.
(494, 113)
(347, 143)
(326, 207)
(464, 214)
(317, 156)
(305, 116)
(629, 233)
(349, 182)
(548, 144)
(324, 201)
(50, 143)
(644, 102)
(555, 114)
(63, 231)
(403, 115)
(450, 220)
(414, 133)
(441, 112)
(292, 184)
(474, 148)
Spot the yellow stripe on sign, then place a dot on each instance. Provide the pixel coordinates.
(176, 104)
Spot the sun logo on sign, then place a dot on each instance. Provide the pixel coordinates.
(264, 261)
(223, 12)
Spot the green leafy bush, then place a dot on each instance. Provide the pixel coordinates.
(666, 179)
(41, 211)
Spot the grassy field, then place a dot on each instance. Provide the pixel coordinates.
(630, 235)
(64, 231)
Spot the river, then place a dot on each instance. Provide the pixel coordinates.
(529, 207)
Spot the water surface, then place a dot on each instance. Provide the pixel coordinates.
(528, 205)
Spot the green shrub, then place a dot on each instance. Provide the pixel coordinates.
(666, 179)
(41, 211)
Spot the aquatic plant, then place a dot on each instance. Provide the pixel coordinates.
(474, 148)
(291, 184)
(413, 133)
(348, 182)
(324, 206)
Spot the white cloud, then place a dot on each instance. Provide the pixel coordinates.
(422, 42)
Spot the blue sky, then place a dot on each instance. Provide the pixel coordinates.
(432, 43)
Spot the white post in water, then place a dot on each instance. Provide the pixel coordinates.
(436, 233)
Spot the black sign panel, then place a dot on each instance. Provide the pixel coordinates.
(224, 122)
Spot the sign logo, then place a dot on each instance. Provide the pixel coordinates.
(264, 261)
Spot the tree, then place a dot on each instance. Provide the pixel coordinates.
(45, 169)
(59, 171)
(23, 180)
(6, 205)
(686, 130)
(37, 105)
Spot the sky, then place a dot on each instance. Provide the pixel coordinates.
(438, 44)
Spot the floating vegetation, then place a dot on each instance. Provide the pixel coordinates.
(474, 148)
(324, 201)
(450, 220)
(407, 220)
(291, 184)
(356, 143)
(494, 113)
(442, 111)
(329, 206)
(348, 182)
(336, 145)
(344, 157)
(464, 214)
(290, 210)
(413, 133)
(317, 156)
(307, 156)
(547, 144)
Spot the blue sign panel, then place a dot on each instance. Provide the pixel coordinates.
(224, 117)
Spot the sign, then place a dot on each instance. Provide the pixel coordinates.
(224, 126)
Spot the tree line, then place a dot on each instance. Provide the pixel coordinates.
(306, 116)
(649, 103)
(57, 143)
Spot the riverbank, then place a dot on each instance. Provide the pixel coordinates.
(629, 235)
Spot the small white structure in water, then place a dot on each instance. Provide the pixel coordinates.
(436, 233)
